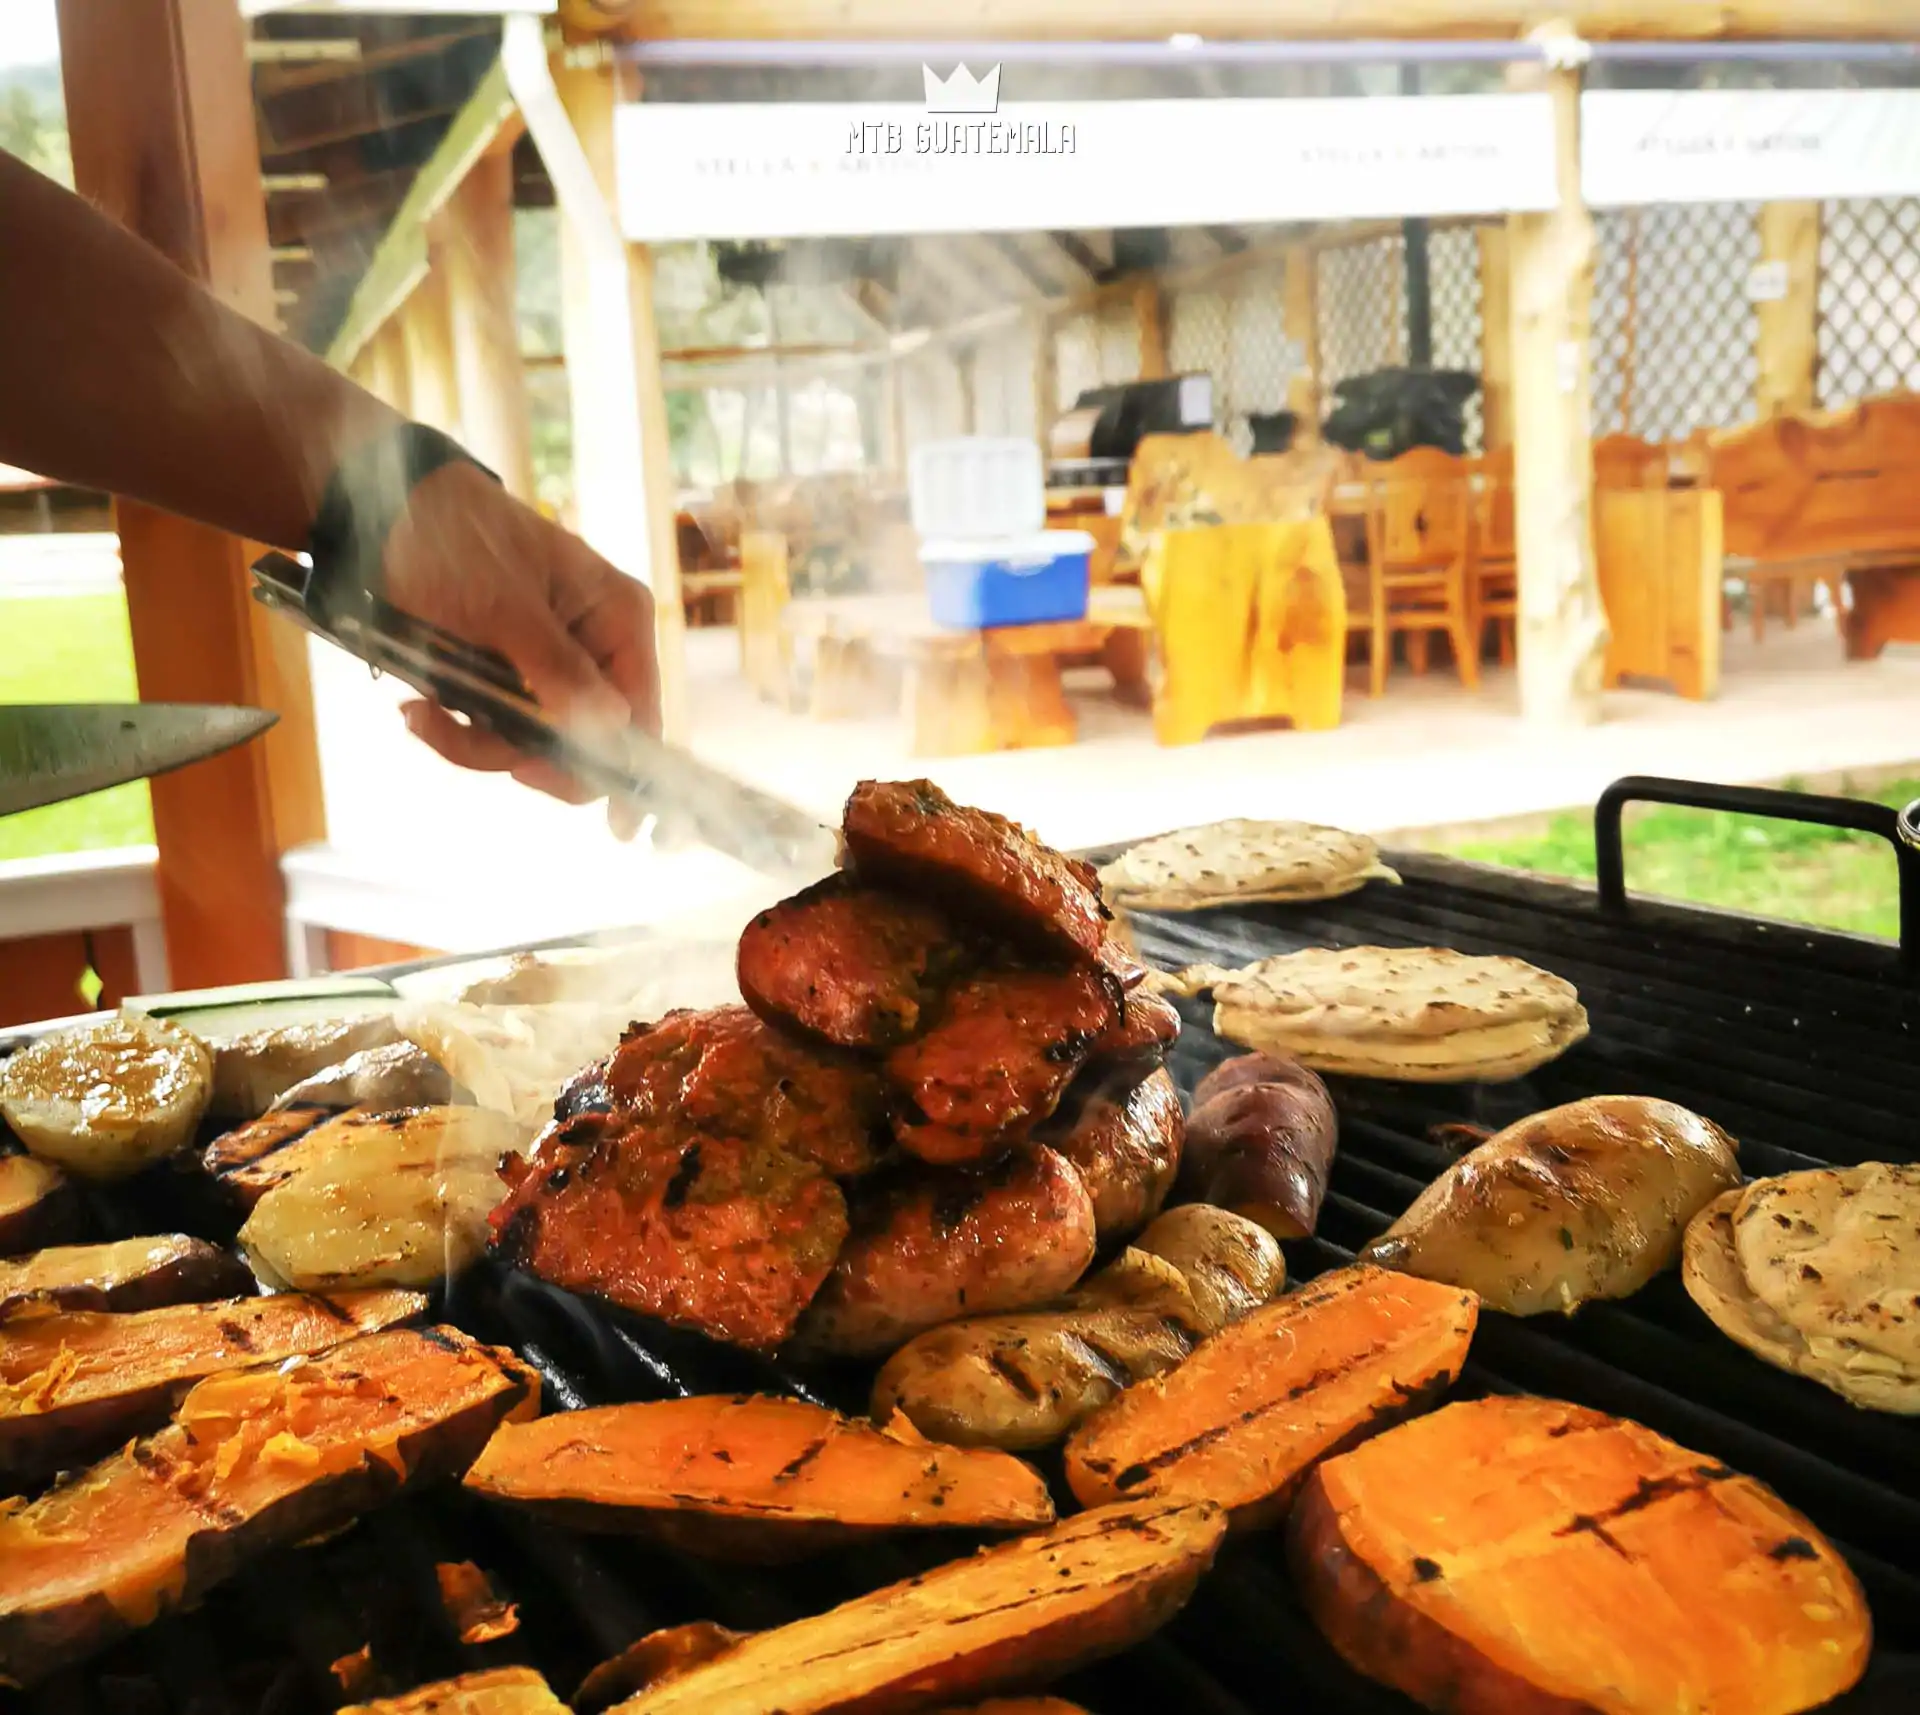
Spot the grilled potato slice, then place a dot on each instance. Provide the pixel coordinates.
(104, 1100)
(398, 1199)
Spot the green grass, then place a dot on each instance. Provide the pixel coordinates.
(1749, 864)
(71, 649)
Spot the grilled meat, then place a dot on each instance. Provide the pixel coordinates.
(1147, 1028)
(1007, 1045)
(730, 1237)
(848, 964)
(724, 1073)
(911, 835)
(1124, 1141)
(930, 1244)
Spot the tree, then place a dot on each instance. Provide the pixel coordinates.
(33, 128)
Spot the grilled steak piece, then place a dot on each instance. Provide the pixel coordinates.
(724, 1073)
(911, 835)
(848, 964)
(1147, 1028)
(1006, 1046)
(726, 1236)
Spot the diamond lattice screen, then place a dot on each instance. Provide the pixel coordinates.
(1363, 309)
(1453, 285)
(1869, 299)
(1118, 333)
(1674, 331)
(1003, 402)
(1199, 329)
(931, 406)
(1236, 332)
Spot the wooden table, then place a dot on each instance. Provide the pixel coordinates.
(965, 693)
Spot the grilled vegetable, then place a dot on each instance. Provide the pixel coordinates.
(476, 1611)
(651, 1661)
(1124, 1140)
(395, 1199)
(253, 1071)
(496, 1691)
(1590, 1200)
(933, 1244)
(74, 1382)
(1023, 1381)
(1244, 1418)
(130, 1274)
(242, 1161)
(395, 1075)
(37, 1204)
(253, 1459)
(1260, 1141)
(105, 1100)
(1013, 1615)
(1513, 1554)
(750, 1478)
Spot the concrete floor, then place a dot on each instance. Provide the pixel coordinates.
(473, 862)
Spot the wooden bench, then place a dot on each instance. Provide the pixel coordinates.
(965, 693)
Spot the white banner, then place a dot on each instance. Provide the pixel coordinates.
(807, 169)
(1739, 145)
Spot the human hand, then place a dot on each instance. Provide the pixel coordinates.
(470, 559)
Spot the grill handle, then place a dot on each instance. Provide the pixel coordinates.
(1609, 857)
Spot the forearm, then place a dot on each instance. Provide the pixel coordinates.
(118, 372)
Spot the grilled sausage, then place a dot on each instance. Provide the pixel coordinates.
(1124, 1140)
(1260, 1141)
(1007, 1045)
(848, 964)
(911, 835)
(932, 1245)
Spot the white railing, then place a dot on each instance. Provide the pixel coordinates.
(88, 890)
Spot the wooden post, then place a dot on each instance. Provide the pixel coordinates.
(480, 278)
(1046, 379)
(1300, 306)
(387, 368)
(966, 369)
(426, 338)
(1150, 314)
(896, 421)
(1789, 331)
(1563, 628)
(1496, 339)
(160, 105)
(604, 481)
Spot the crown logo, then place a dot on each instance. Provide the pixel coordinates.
(963, 92)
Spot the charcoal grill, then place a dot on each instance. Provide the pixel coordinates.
(1800, 1042)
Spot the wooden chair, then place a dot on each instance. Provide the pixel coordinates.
(1626, 461)
(1495, 577)
(1250, 622)
(1831, 497)
(1419, 560)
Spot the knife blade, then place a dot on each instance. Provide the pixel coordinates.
(50, 752)
(691, 800)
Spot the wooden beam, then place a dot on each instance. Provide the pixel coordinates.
(1496, 339)
(605, 485)
(426, 336)
(1150, 318)
(1300, 312)
(966, 369)
(1789, 335)
(1082, 255)
(495, 418)
(1118, 20)
(387, 378)
(161, 116)
(1010, 247)
(401, 260)
(1046, 377)
(1562, 625)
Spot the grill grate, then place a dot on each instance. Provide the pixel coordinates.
(1801, 1043)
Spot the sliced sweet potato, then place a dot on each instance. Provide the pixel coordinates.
(1258, 1404)
(651, 1661)
(72, 1383)
(1528, 1555)
(497, 1691)
(750, 1477)
(37, 1204)
(240, 1160)
(254, 1458)
(126, 1275)
(1018, 1614)
(473, 1607)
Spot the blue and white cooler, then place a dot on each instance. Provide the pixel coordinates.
(980, 507)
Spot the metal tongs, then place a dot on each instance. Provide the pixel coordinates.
(691, 801)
